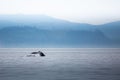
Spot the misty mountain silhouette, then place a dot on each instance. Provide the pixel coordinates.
(45, 31)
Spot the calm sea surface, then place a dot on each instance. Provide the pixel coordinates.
(60, 64)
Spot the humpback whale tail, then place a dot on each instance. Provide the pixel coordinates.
(41, 53)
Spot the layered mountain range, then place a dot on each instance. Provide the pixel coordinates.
(44, 31)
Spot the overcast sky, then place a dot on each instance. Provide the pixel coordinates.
(82, 11)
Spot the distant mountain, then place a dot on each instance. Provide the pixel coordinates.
(32, 37)
(45, 31)
(112, 30)
(39, 21)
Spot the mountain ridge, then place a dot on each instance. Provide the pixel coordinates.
(46, 31)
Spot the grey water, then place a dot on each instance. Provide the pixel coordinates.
(60, 64)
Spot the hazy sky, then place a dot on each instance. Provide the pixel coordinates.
(83, 11)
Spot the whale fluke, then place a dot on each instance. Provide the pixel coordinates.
(42, 54)
(39, 52)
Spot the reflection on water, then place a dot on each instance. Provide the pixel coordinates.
(60, 64)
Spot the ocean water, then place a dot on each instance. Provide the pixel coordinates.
(60, 64)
